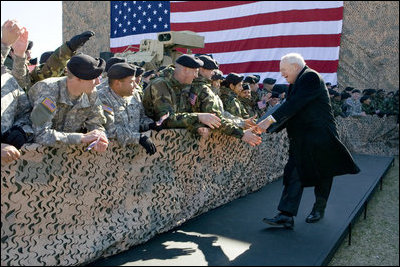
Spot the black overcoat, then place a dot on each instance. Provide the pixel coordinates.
(315, 148)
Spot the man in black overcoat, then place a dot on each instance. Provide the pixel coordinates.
(316, 154)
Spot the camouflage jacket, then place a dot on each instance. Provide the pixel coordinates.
(232, 103)
(165, 94)
(15, 106)
(4, 53)
(368, 109)
(248, 105)
(337, 108)
(203, 99)
(124, 116)
(53, 67)
(392, 106)
(57, 118)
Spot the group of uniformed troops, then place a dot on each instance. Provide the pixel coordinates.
(74, 98)
(351, 102)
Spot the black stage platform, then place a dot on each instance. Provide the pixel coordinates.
(234, 234)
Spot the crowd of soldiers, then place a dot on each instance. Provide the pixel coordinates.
(73, 98)
(351, 102)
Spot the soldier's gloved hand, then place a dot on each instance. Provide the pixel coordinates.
(79, 40)
(148, 144)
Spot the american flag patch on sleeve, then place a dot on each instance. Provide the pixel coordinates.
(192, 99)
(49, 104)
(107, 109)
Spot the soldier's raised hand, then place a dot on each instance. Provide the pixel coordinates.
(10, 32)
(79, 40)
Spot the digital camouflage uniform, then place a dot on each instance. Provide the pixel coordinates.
(53, 67)
(124, 116)
(337, 107)
(165, 94)
(206, 101)
(379, 103)
(393, 105)
(15, 105)
(57, 118)
(232, 104)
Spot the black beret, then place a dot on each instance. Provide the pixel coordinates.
(189, 61)
(335, 93)
(86, 67)
(280, 88)
(349, 89)
(380, 91)
(345, 95)
(369, 91)
(139, 70)
(121, 70)
(45, 56)
(356, 91)
(328, 83)
(246, 87)
(148, 73)
(269, 81)
(217, 76)
(112, 61)
(257, 78)
(250, 79)
(234, 78)
(275, 95)
(364, 97)
(208, 62)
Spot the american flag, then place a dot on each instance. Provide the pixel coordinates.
(247, 37)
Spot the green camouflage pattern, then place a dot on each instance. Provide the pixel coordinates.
(208, 102)
(232, 104)
(165, 94)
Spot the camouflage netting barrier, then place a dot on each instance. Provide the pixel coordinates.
(63, 206)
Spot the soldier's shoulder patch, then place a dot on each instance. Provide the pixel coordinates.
(49, 104)
(107, 108)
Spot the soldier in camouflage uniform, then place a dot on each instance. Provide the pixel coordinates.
(216, 80)
(337, 104)
(15, 107)
(68, 109)
(245, 99)
(165, 94)
(230, 90)
(203, 99)
(367, 106)
(393, 104)
(111, 61)
(379, 103)
(123, 109)
(54, 65)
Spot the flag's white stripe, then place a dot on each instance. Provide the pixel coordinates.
(328, 77)
(281, 29)
(131, 39)
(308, 53)
(250, 9)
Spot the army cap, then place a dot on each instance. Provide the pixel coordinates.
(349, 88)
(369, 91)
(217, 76)
(234, 78)
(257, 77)
(139, 70)
(356, 91)
(274, 95)
(45, 56)
(148, 73)
(112, 61)
(189, 61)
(380, 91)
(364, 97)
(86, 67)
(121, 70)
(208, 62)
(280, 88)
(250, 79)
(269, 81)
(246, 87)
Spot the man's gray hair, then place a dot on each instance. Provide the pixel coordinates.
(294, 58)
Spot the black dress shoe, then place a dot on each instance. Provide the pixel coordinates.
(280, 220)
(314, 216)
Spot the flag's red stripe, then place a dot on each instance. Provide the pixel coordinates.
(320, 40)
(122, 48)
(317, 40)
(329, 14)
(204, 5)
(322, 66)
